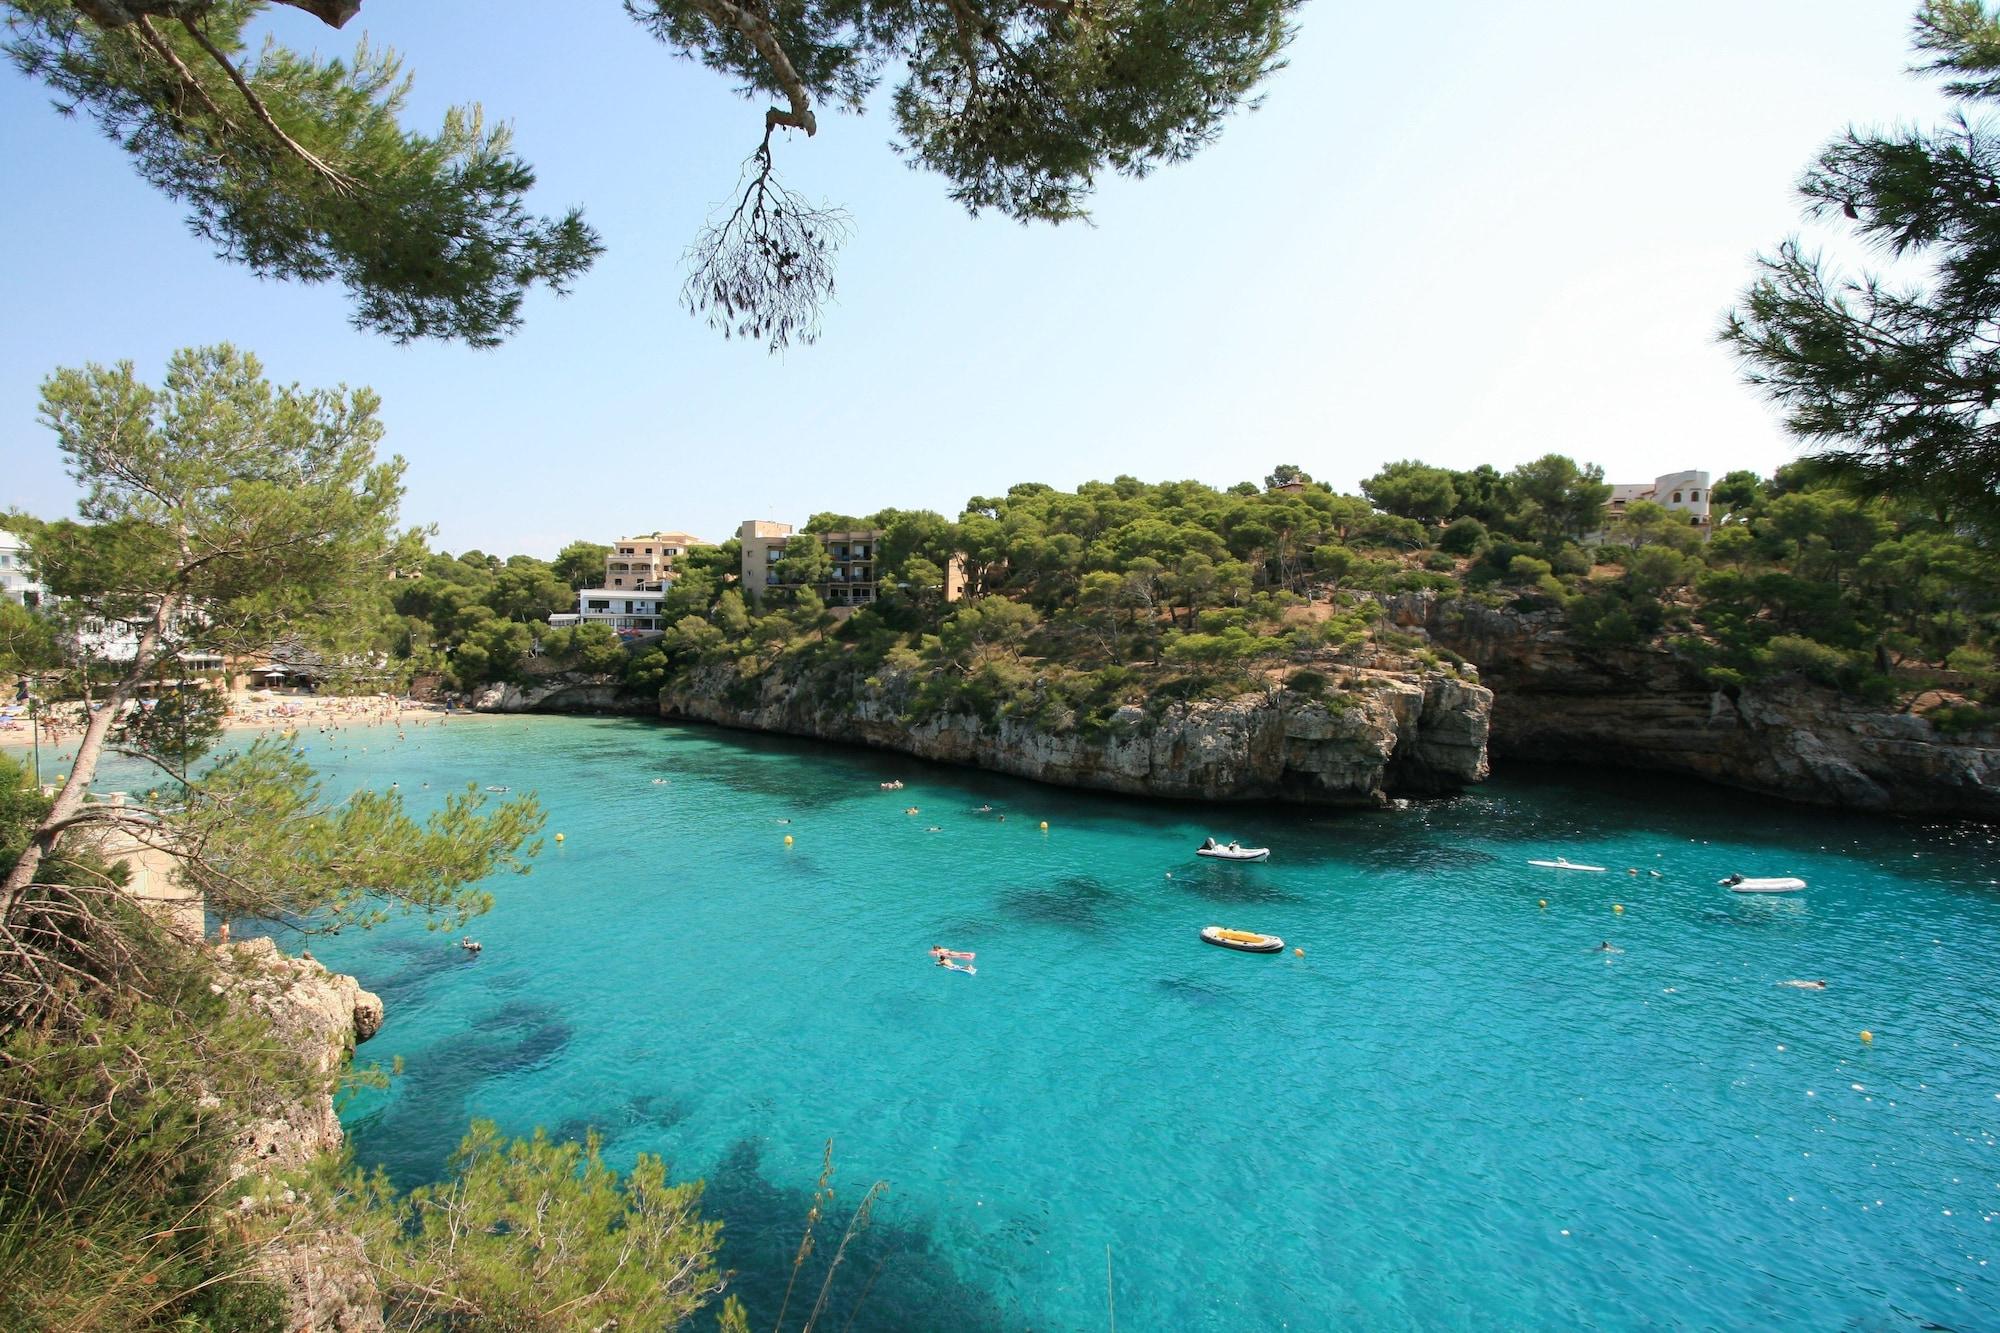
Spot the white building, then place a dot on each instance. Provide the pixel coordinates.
(628, 610)
(17, 583)
(117, 641)
(1682, 492)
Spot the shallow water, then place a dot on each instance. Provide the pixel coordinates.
(1451, 1112)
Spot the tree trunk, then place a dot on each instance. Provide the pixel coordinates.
(88, 751)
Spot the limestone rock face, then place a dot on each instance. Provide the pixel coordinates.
(1643, 707)
(1395, 732)
(320, 1015)
(565, 692)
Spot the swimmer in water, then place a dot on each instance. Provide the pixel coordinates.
(1805, 985)
(784, 821)
(934, 829)
(1606, 947)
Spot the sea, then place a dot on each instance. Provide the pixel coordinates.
(1471, 1093)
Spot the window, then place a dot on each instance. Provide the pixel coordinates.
(1694, 495)
(618, 583)
(1677, 497)
(596, 605)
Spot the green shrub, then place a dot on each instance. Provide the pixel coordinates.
(1725, 678)
(538, 1234)
(1970, 659)
(1463, 536)
(1604, 620)
(1572, 560)
(1527, 569)
(1958, 719)
(1807, 657)
(1310, 683)
(1875, 688)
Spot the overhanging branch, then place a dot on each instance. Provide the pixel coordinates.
(340, 181)
(758, 30)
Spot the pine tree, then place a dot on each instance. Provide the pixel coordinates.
(1893, 378)
(298, 165)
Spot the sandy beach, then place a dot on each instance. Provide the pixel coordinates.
(260, 713)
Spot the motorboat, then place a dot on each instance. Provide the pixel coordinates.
(1563, 863)
(1244, 941)
(1231, 851)
(1778, 884)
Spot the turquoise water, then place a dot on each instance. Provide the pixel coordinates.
(1450, 1113)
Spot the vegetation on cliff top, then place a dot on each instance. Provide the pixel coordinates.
(1128, 592)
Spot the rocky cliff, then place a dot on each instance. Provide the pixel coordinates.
(567, 692)
(319, 1016)
(1392, 732)
(1643, 707)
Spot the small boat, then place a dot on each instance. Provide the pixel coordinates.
(1561, 863)
(1781, 884)
(1232, 851)
(1247, 941)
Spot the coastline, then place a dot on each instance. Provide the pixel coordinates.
(272, 714)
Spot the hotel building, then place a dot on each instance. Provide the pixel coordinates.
(855, 579)
(645, 562)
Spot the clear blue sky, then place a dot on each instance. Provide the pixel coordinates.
(1464, 232)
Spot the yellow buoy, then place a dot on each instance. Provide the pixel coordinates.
(558, 837)
(788, 840)
(1618, 908)
(1045, 826)
(1300, 952)
(1866, 1035)
(1541, 902)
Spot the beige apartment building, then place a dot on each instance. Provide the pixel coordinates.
(855, 579)
(643, 562)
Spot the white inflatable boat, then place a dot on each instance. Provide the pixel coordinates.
(1231, 851)
(1782, 884)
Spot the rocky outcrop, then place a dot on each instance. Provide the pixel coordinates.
(565, 692)
(1644, 707)
(1390, 732)
(318, 1016)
